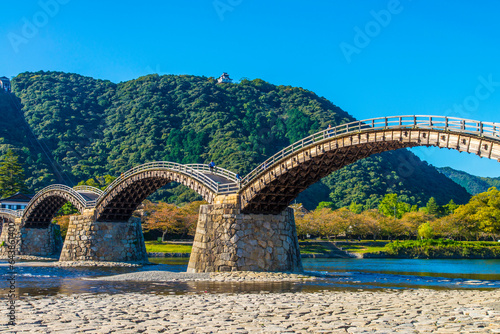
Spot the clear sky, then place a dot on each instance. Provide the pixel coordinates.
(371, 58)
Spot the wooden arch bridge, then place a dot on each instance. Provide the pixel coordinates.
(276, 182)
(247, 225)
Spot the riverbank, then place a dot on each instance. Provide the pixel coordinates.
(407, 249)
(408, 311)
(443, 249)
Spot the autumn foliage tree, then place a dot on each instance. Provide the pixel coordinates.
(482, 213)
(170, 219)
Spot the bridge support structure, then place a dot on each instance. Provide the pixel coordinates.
(91, 240)
(24, 240)
(228, 240)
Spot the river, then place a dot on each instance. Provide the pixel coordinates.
(350, 274)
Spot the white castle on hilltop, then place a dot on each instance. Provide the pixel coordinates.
(224, 78)
(5, 84)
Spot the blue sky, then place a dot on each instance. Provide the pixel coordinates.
(371, 58)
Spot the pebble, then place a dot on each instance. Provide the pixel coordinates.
(389, 311)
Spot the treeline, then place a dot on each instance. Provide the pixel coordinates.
(473, 184)
(479, 219)
(16, 137)
(443, 248)
(95, 127)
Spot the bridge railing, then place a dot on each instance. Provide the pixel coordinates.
(482, 129)
(220, 188)
(185, 169)
(15, 213)
(217, 171)
(62, 187)
(88, 189)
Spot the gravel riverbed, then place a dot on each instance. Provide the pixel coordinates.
(390, 311)
(237, 276)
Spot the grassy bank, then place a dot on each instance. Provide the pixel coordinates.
(379, 248)
(443, 249)
(363, 246)
(165, 247)
(313, 248)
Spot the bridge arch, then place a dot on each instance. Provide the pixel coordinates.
(44, 205)
(7, 215)
(124, 195)
(276, 182)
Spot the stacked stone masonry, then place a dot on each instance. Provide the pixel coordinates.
(41, 241)
(227, 240)
(5, 240)
(31, 241)
(90, 240)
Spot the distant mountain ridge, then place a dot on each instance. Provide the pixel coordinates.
(95, 127)
(473, 184)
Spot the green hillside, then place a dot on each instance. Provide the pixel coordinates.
(473, 184)
(93, 127)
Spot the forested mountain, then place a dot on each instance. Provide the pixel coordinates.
(473, 184)
(93, 127)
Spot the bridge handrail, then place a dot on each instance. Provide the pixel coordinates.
(217, 171)
(200, 169)
(186, 169)
(70, 190)
(482, 129)
(89, 189)
(15, 213)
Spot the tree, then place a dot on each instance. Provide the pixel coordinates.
(67, 209)
(356, 208)
(100, 182)
(11, 175)
(370, 223)
(390, 206)
(322, 205)
(90, 182)
(482, 212)
(171, 219)
(302, 223)
(321, 220)
(449, 227)
(411, 221)
(432, 207)
(162, 216)
(298, 125)
(450, 207)
(189, 216)
(425, 231)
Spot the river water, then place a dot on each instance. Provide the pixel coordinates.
(342, 274)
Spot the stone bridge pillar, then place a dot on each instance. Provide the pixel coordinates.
(91, 240)
(29, 241)
(227, 240)
(10, 236)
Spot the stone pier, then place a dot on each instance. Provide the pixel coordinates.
(91, 240)
(10, 228)
(30, 241)
(228, 240)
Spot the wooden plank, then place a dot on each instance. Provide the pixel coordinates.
(491, 148)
